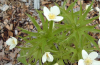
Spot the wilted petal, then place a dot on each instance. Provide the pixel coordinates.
(9, 41)
(81, 62)
(84, 54)
(96, 62)
(93, 55)
(58, 18)
(12, 46)
(50, 58)
(55, 10)
(12, 42)
(15, 40)
(44, 58)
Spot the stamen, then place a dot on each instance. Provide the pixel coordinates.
(51, 16)
(88, 61)
(13, 41)
(47, 55)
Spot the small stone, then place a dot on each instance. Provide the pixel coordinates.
(8, 64)
(16, 32)
(1, 42)
(4, 7)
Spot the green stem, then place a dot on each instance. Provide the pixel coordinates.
(50, 26)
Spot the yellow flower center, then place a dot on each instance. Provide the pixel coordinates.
(13, 42)
(88, 61)
(51, 16)
(47, 55)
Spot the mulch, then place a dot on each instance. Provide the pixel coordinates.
(15, 17)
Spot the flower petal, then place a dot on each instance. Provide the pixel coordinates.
(15, 40)
(58, 18)
(84, 54)
(81, 62)
(12, 46)
(46, 12)
(50, 58)
(55, 10)
(96, 62)
(99, 14)
(97, 9)
(99, 41)
(9, 41)
(44, 58)
(93, 55)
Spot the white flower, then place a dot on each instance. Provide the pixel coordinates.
(56, 64)
(99, 14)
(52, 14)
(99, 43)
(4, 7)
(97, 9)
(87, 6)
(12, 42)
(88, 59)
(47, 57)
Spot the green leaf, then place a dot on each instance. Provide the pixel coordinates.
(24, 59)
(60, 62)
(91, 39)
(80, 12)
(83, 17)
(89, 8)
(34, 22)
(84, 22)
(90, 29)
(28, 32)
(71, 6)
(58, 31)
(45, 27)
(43, 44)
(74, 56)
(50, 26)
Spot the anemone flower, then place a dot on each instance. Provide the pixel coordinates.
(99, 43)
(89, 59)
(98, 10)
(52, 13)
(12, 42)
(47, 57)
